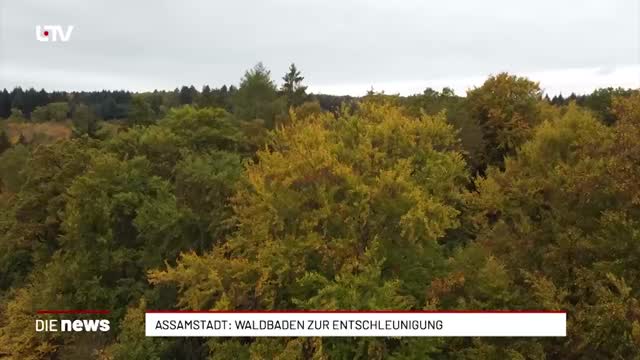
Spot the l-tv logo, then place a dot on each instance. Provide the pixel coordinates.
(53, 33)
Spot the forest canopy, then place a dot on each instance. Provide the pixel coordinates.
(262, 196)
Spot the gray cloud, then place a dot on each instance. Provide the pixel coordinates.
(341, 45)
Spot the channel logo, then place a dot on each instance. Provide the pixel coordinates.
(72, 325)
(53, 33)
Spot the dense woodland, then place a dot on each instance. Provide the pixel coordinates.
(262, 196)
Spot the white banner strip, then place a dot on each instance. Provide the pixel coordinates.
(347, 324)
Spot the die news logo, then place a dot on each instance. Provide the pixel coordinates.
(72, 325)
(53, 33)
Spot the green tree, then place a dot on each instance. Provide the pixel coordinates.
(292, 88)
(140, 112)
(16, 115)
(5, 104)
(308, 109)
(601, 102)
(206, 97)
(5, 143)
(203, 184)
(12, 163)
(92, 217)
(132, 343)
(257, 97)
(432, 102)
(40, 114)
(31, 233)
(188, 95)
(84, 121)
(58, 111)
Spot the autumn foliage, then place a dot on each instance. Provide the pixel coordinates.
(500, 200)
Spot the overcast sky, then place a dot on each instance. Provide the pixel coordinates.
(341, 46)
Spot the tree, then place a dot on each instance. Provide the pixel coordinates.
(307, 109)
(432, 102)
(627, 129)
(140, 112)
(98, 264)
(30, 101)
(17, 99)
(108, 108)
(31, 233)
(5, 143)
(58, 111)
(187, 95)
(204, 183)
(257, 97)
(558, 225)
(40, 114)
(12, 163)
(206, 97)
(600, 101)
(205, 128)
(15, 342)
(5, 104)
(327, 218)
(292, 88)
(92, 217)
(16, 115)
(84, 121)
(223, 98)
(506, 107)
(132, 343)
(55, 111)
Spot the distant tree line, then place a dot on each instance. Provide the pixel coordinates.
(117, 104)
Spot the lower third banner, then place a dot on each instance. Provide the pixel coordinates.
(358, 323)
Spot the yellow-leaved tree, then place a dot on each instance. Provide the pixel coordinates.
(336, 213)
